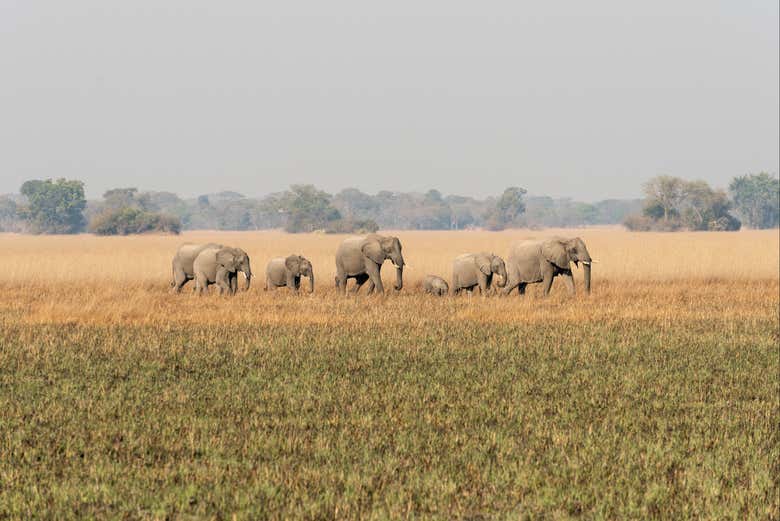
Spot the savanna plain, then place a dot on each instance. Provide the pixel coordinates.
(656, 396)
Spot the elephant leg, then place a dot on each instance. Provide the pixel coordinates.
(484, 284)
(511, 283)
(296, 284)
(547, 282)
(568, 279)
(375, 275)
(201, 283)
(359, 281)
(341, 280)
(222, 280)
(290, 282)
(179, 279)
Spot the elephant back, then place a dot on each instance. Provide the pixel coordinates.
(188, 252)
(525, 261)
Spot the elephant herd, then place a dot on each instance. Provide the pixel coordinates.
(361, 258)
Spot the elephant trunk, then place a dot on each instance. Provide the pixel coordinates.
(248, 277)
(399, 277)
(503, 280)
(311, 282)
(586, 274)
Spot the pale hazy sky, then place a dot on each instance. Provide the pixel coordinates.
(566, 98)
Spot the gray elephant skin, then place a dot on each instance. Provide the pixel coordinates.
(287, 271)
(183, 260)
(472, 270)
(361, 258)
(530, 262)
(219, 265)
(435, 285)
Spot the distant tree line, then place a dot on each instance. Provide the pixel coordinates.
(59, 206)
(673, 204)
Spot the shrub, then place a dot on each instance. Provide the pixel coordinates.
(352, 226)
(639, 223)
(126, 221)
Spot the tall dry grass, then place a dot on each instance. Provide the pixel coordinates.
(665, 276)
(139, 260)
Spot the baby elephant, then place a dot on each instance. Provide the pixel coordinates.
(473, 270)
(435, 285)
(287, 272)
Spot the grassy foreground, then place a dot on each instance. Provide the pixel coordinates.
(644, 420)
(649, 399)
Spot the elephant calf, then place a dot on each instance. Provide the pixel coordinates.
(220, 265)
(477, 269)
(288, 271)
(435, 285)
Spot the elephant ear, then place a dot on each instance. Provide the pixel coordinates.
(373, 250)
(293, 263)
(482, 261)
(228, 258)
(555, 252)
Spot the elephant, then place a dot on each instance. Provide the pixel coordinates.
(435, 285)
(361, 258)
(477, 269)
(220, 265)
(287, 271)
(182, 264)
(541, 261)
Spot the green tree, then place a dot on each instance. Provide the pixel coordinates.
(706, 209)
(121, 198)
(54, 206)
(757, 199)
(354, 204)
(665, 193)
(507, 209)
(309, 209)
(9, 215)
(673, 203)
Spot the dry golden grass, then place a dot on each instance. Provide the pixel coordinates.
(89, 279)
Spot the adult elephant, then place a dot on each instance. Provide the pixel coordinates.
(361, 258)
(182, 264)
(288, 271)
(541, 261)
(220, 265)
(477, 269)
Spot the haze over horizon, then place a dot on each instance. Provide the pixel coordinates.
(581, 100)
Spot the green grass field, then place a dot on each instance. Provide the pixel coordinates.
(649, 420)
